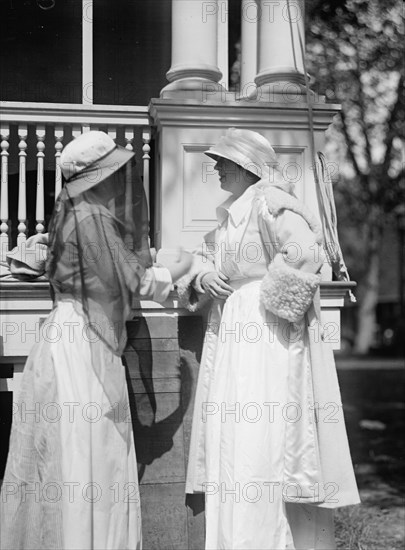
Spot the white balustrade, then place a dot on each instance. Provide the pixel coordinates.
(112, 132)
(40, 206)
(58, 169)
(76, 131)
(129, 138)
(5, 134)
(22, 184)
(52, 126)
(146, 137)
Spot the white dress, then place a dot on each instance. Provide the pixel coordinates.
(240, 447)
(71, 477)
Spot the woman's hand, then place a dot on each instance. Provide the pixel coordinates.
(214, 283)
(181, 266)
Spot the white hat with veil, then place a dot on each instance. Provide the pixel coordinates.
(98, 234)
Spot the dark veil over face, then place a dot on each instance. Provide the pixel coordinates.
(99, 250)
(129, 207)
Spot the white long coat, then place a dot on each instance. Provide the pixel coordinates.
(268, 444)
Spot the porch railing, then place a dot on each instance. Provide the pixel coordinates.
(32, 138)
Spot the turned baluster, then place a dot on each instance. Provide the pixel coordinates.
(5, 134)
(129, 138)
(22, 185)
(146, 137)
(58, 151)
(112, 132)
(40, 218)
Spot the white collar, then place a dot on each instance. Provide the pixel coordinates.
(235, 209)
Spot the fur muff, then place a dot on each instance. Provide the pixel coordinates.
(288, 292)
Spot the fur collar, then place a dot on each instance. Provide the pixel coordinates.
(278, 200)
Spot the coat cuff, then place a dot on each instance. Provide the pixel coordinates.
(288, 292)
(191, 295)
(163, 282)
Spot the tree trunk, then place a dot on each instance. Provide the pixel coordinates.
(367, 317)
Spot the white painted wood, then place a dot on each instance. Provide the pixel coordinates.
(58, 151)
(22, 184)
(87, 52)
(76, 131)
(22, 324)
(129, 138)
(194, 70)
(68, 113)
(40, 202)
(146, 137)
(279, 54)
(4, 134)
(222, 39)
(200, 190)
(249, 26)
(187, 186)
(14, 383)
(56, 117)
(112, 132)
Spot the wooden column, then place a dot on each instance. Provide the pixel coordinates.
(194, 49)
(249, 19)
(280, 35)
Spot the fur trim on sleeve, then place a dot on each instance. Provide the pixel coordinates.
(288, 292)
(189, 297)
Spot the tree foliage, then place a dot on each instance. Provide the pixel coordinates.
(355, 56)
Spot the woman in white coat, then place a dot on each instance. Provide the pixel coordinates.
(268, 445)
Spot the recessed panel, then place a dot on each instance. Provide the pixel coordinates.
(201, 189)
(291, 166)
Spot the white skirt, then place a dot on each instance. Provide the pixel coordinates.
(239, 441)
(71, 476)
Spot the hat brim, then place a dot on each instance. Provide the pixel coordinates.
(99, 171)
(241, 161)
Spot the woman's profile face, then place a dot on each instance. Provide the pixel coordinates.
(112, 187)
(233, 177)
(230, 174)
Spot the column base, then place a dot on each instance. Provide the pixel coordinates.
(279, 84)
(278, 74)
(282, 91)
(201, 89)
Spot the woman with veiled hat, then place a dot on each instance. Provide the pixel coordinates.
(71, 476)
(268, 444)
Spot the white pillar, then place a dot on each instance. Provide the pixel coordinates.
(87, 52)
(194, 67)
(281, 33)
(249, 21)
(222, 41)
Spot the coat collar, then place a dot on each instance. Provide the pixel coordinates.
(236, 209)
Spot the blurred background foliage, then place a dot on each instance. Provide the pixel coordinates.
(355, 58)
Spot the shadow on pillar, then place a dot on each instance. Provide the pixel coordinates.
(142, 379)
(161, 363)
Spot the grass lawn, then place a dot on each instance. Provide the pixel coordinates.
(375, 417)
